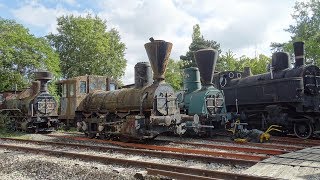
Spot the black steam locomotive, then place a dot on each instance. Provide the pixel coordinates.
(284, 96)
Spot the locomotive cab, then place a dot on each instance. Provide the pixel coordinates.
(73, 91)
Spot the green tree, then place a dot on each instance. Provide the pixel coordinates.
(21, 53)
(229, 62)
(305, 28)
(86, 47)
(226, 62)
(258, 65)
(198, 42)
(174, 74)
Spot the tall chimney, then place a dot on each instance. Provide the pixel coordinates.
(299, 53)
(206, 60)
(43, 77)
(247, 72)
(158, 53)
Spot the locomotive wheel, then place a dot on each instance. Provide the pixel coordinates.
(303, 130)
(104, 136)
(11, 125)
(90, 135)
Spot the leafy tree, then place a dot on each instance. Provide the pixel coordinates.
(86, 47)
(229, 63)
(258, 65)
(198, 42)
(21, 53)
(174, 74)
(306, 28)
(226, 62)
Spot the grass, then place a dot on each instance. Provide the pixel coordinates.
(6, 133)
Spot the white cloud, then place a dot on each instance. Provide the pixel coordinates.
(36, 14)
(246, 27)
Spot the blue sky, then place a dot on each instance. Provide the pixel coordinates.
(247, 27)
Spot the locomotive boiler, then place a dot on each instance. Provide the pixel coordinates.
(33, 109)
(142, 112)
(202, 100)
(284, 96)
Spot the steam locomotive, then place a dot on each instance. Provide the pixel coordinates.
(33, 109)
(202, 100)
(142, 112)
(284, 96)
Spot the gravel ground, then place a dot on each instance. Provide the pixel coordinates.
(19, 165)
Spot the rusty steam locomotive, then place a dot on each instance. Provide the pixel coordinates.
(284, 96)
(33, 109)
(142, 112)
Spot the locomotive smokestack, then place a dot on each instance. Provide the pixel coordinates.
(158, 53)
(299, 53)
(43, 77)
(247, 72)
(206, 60)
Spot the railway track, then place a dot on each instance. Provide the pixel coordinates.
(181, 156)
(288, 147)
(296, 141)
(156, 168)
(235, 148)
(251, 157)
(286, 140)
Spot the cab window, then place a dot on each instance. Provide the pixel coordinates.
(112, 86)
(64, 90)
(83, 86)
(92, 86)
(1, 98)
(71, 89)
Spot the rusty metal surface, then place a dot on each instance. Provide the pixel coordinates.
(234, 148)
(173, 149)
(176, 175)
(295, 138)
(125, 162)
(207, 159)
(142, 74)
(72, 96)
(158, 52)
(263, 145)
(299, 142)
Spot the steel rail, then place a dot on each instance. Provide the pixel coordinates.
(235, 148)
(206, 159)
(173, 149)
(143, 164)
(286, 140)
(264, 145)
(177, 175)
(303, 142)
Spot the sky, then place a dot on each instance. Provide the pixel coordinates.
(246, 27)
